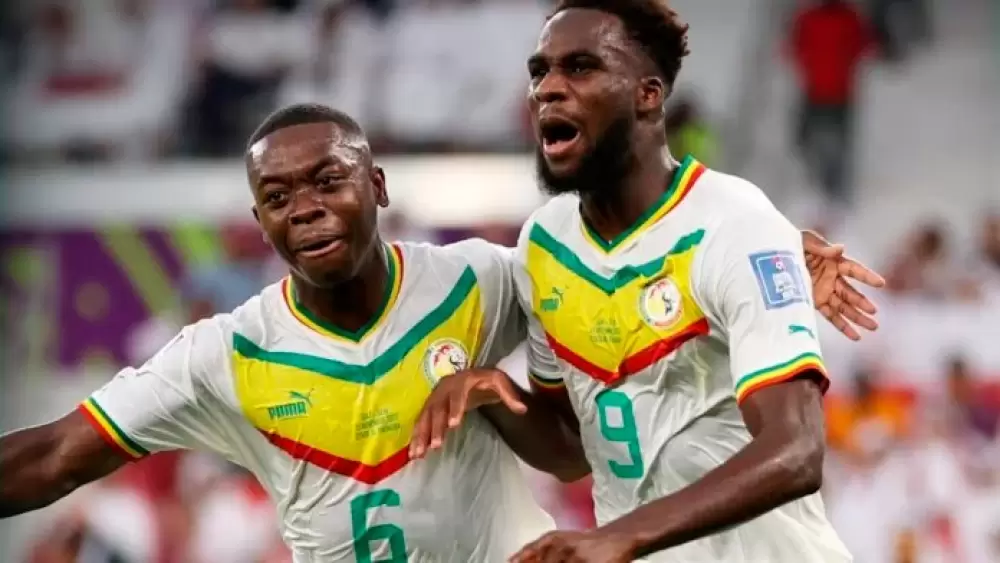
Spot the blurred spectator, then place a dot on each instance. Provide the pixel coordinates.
(223, 287)
(898, 24)
(478, 105)
(396, 225)
(852, 419)
(974, 411)
(101, 79)
(689, 133)
(868, 494)
(345, 63)
(247, 47)
(986, 262)
(829, 40)
(924, 268)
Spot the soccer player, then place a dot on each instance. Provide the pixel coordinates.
(669, 317)
(315, 384)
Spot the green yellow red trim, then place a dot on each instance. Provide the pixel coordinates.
(370, 474)
(304, 316)
(110, 431)
(634, 363)
(685, 178)
(780, 373)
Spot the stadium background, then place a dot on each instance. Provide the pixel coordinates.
(126, 214)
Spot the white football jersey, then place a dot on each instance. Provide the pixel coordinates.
(323, 417)
(659, 334)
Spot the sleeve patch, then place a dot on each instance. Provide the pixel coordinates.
(779, 278)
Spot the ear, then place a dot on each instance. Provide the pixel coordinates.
(377, 176)
(651, 95)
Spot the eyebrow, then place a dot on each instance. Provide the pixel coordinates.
(539, 58)
(322, 163)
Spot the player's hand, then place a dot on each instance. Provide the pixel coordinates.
(591, 546)
(836, 299)
(454, 396)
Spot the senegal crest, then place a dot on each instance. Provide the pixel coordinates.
(660, 303)
(445, 357)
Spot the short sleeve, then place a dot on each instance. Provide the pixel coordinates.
(544, 368)
(169, 403)
(752, 281)
(504, 323)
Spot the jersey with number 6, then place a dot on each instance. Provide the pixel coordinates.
(659, 334)
(323, 417)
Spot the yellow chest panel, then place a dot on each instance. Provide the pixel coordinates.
(612, 327)
(356, 420)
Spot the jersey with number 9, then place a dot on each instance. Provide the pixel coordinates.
(657, 336)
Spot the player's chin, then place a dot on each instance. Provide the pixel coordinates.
(327, 270)
(564, 167)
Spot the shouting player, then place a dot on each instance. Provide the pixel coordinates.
(670, 317)
(315, 384)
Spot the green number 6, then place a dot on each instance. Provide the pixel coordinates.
(624, 432)
(364, 535)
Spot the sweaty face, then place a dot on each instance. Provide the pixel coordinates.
(582, 99)
(316, 197)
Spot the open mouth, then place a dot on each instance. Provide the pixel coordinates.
(558, 136)
(317, 247)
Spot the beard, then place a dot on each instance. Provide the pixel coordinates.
(599, 171)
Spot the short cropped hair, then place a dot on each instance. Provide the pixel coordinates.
(653, 24)
(301, 114)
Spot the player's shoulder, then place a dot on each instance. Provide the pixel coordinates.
(726, 196)
(482, 258)
(555, 216)
(253, 320)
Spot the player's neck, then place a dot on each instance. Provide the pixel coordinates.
(616, 210)
(352, 304)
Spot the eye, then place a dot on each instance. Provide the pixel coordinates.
(328, 181)
(536, 71)
(580, 66)
(275, 197)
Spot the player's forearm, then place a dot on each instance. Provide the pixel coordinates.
(540, 437)
(775, 468)
(29, 477)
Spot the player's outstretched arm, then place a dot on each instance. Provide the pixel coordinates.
(537, 433)
(782, 463)
(835, 298)
(40, 465)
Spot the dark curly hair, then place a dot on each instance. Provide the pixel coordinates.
(653, 24)
(301, 114)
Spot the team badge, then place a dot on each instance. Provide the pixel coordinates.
(779, 278)
(445, 357)
(660, 303)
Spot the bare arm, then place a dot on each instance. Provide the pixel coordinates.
(783, 462)
(526, 422)
(40, 465)
(546, 436)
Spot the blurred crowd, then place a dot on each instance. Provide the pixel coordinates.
(110, 79)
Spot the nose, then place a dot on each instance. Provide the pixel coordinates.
(551, 88)
(307, 208)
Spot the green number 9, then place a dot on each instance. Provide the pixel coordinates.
(364, 535)
(625, 432)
